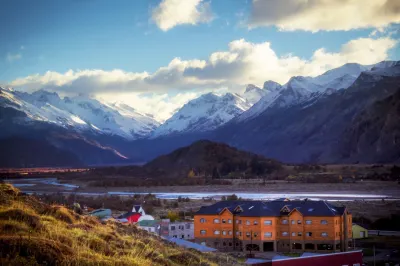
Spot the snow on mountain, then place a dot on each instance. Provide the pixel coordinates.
(81, 112)
(253, 94)
(205, 113)
(304, 89)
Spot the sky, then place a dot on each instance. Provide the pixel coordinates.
(158, 54)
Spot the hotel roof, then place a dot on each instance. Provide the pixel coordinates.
(273, 208)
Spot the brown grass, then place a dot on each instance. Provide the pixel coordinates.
(33, 233)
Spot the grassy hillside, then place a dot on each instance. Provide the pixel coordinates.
(34, 233)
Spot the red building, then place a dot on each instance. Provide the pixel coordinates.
(132, 217)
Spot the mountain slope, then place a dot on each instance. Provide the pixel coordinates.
(81, 113)
(23, 152)
(300, 89)
(205, 113)
(374, 135)
(309, 131)
(90, 149)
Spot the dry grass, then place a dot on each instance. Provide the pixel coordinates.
(33, 233)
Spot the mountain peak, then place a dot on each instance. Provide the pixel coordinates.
(204, 113)
(271, 85)
(251, 87)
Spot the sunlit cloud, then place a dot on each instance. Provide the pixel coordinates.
(329, 15)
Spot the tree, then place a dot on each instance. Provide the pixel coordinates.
(172, 216)
(191, 174)
(215, 173)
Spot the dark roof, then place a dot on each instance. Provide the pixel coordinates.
(273, 208)
(128, 214)
(137, 208)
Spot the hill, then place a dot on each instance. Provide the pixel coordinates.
(34, 233)
(210, 159)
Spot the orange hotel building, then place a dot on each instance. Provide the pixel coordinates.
(278, 225)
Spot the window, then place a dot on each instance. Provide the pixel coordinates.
(203, 232)
(188, 236)
(223, 221)
(173, 228)
(298, 221)
(247, 222)
(224, 244)
(202, 220)
(216, 221)
(237, 233)
(293, 233)
(187, 226)
(308, 222)
(175, 236)
(285, 233)
(229, 221)
(268, 234)
(324, 234)
(183, 236)
(293, 222)
(230, 244)
(255, 222)
(248, 234)
(284, 221)
(255, 234)
(230, 233)
(224, 233)
(324, 222)
(216, 232)
(299, 234)
(267, 222)
(181, 227)
(309, 234)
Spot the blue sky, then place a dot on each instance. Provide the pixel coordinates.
(57, 36)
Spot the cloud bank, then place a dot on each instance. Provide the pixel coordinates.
(242, 63)
(171, 13)
(330, 15)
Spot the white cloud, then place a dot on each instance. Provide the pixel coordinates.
(324, 14)
(247, 62)
(171, 13)
(242, 63)
(13, 57)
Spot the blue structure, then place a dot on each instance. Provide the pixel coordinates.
(188, 244)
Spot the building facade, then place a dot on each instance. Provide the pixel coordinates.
(281, 225)
(181, 229)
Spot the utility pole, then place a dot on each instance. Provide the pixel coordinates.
(251, 242)
(374, 255)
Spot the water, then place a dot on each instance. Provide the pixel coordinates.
(195, 195)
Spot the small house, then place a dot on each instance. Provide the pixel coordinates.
(101, 213)
(359, 231)
(131, 217)
(138, 209)
(151, 226)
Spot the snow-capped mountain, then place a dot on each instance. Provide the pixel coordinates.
(304, 89)
(205, 113)
(80, 112)
(253, 94)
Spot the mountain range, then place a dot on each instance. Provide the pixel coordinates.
(339, 116)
